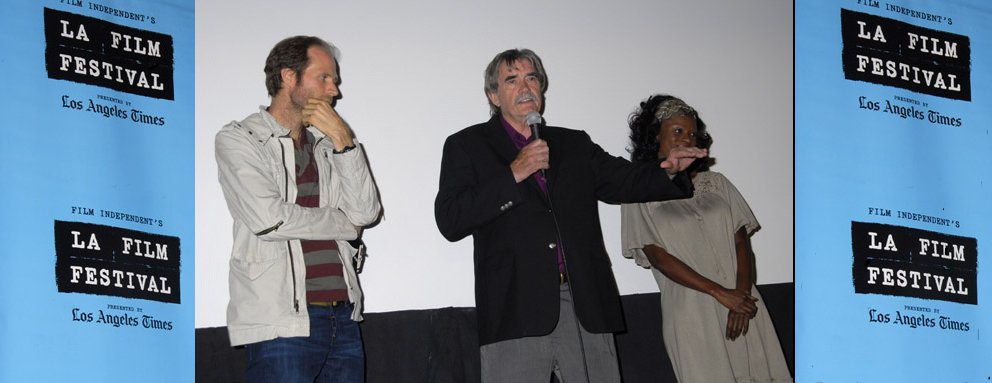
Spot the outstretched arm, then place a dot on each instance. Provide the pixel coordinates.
(679, 159)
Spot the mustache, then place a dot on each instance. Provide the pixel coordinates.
(524, 96)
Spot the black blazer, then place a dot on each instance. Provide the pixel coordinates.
(516, 269)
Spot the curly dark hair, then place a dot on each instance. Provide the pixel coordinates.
(644, 126)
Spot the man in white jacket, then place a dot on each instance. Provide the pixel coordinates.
(298, 188)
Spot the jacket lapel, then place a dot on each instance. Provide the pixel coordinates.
(499, 141)
(504, 147)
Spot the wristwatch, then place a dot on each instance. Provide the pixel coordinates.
(346, 149)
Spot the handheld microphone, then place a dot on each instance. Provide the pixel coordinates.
(534, 121)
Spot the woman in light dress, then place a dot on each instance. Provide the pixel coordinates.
(715, 325)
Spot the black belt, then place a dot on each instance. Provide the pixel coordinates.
(562, 278)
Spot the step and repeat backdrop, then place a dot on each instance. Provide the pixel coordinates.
(892, 191)
(97, 283)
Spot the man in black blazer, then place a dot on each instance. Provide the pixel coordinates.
(545, 294)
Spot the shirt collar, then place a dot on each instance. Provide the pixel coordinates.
(518, 139)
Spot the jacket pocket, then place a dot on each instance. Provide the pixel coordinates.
(253, 270)
(259, 257)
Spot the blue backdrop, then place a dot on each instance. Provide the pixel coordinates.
(888, 158)
(97, 196)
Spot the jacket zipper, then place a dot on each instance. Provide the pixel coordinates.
(296, 302)
(289, 247)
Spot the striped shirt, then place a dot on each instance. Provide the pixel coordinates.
(325, 280)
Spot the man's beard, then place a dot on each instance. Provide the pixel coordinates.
(299, 98)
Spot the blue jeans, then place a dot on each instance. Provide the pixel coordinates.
(332, 353)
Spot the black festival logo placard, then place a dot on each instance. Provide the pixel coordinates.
(96, 52)
(896, 260)
(889, 52)
(107, 260)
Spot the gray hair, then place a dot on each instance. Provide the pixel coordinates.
(508, 57)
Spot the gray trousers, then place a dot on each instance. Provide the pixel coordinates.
(534, 359)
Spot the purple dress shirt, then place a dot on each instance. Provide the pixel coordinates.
(520, 141)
